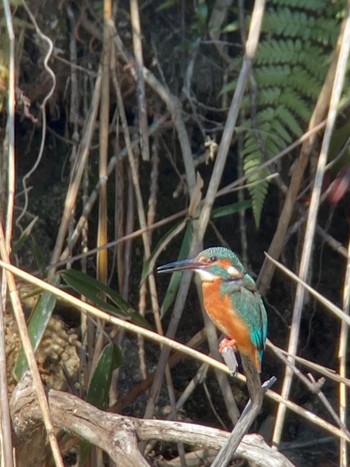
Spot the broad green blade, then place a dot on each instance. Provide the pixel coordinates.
(176, 276)
(39, 256)
(231, 209)
(98, 394)
(95, 291)
(163, 242)
(36, 327)
(25, 235)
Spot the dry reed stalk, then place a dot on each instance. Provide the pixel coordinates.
(204, 215)
(8, 191)
(343, 348)
(162, 340)
(140, 84)
(312, 216)
(29, 353)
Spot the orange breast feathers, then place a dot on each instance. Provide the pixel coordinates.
(220, 310)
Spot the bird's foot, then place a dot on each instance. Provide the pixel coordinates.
(227, 342)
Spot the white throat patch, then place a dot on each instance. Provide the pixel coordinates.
(234, 273)
(205, 275)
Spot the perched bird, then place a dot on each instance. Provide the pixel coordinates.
(230, 298)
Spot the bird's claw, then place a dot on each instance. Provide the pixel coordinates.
(227, 342)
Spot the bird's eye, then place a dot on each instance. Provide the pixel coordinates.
(213, 259)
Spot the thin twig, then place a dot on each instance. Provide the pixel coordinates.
(223, 191)
(5, 424)
(102, 234)
(311, 417)
(49, 43)
(315, 388)
(299, 167)
(312, 217)
(140, 84)
(77, 174)
(343, 348)
(204, 217)
(29, 353)
(6, 443)
(113, 433)
(248, 416)
(323, 300)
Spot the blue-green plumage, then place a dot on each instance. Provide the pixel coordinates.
(230, 298)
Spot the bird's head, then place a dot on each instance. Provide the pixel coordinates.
(210, 264)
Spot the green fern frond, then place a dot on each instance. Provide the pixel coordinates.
(278, 51)
(303, 82)
(324, 32)
(269, 95)
(314, 59)
(288, 119)
(289, 69)
(288, 23)
(258, 184)
(310, 5)
(282, 131)
(295, 103)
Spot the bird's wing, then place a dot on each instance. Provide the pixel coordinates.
(252, 310)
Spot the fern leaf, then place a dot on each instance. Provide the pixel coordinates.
(288, 120)
(310, 5)
(295, 103)
(290, 66)
(278, 51)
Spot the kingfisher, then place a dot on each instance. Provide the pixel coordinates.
(230, 298)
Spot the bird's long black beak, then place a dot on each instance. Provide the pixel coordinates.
(179, 266)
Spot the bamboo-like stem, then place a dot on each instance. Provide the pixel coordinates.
(312, 216)
(10, 134)
(72, 192)
(140, 84)
(174, 107)
(204, 216)
(343, 348)
(102, 236)
(6, 434)
(146, 241)
(9, 144)
(102, 231)
(151, 213)
(278, 240)
(223, 191)
(250, 413)
(94, 195)
(29, 353)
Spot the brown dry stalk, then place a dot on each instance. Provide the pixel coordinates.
(311, 417)
(29, 353)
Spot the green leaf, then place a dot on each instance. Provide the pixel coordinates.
(27, 233)
(98, 393)
(36, 327)
(166, 5)
(176, 276)
(148, 265)
(231, 27)
(95, 291)
(38, 255)
(231, 209)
